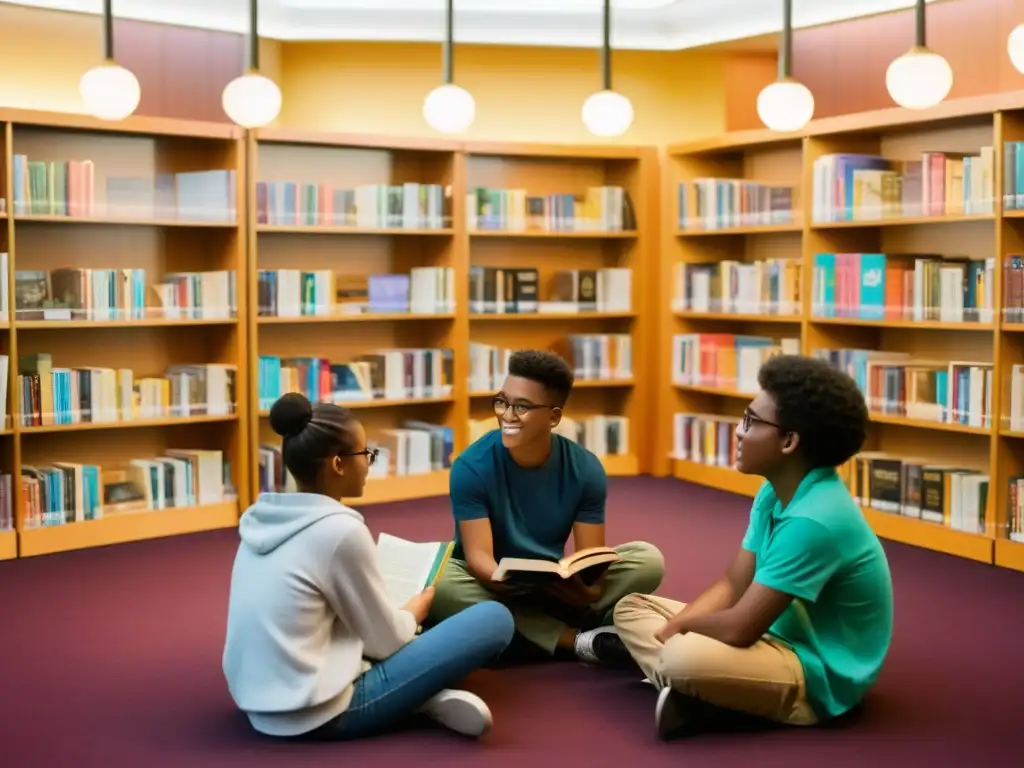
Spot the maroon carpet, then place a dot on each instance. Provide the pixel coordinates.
(112, 657)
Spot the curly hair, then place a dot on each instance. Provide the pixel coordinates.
(547, 369)
(822, 404)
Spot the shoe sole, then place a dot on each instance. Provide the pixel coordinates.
(668, 718)
(462, 712)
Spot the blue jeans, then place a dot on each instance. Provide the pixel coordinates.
(396, 687)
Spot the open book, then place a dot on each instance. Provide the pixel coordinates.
(590, 563)
(409, 567)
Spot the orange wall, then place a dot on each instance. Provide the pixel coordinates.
(379, 87)
(522, 94)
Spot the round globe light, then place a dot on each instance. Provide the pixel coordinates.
(785, 105)
(919, 79)
(449, 109)
(109, 91)
(607, 114)
(1015, 47)
(251, 100)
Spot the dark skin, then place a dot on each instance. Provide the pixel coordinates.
(344, 477)
(526, 433)
(735, 609)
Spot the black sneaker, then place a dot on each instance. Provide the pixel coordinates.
(670, 714)
(603, 646)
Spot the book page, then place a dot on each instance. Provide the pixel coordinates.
(405, 566)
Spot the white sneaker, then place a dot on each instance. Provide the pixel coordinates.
(460, 711)
(669, 717)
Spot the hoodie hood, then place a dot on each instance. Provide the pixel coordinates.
(276, 517)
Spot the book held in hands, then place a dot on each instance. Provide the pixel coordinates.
(589, 563)
(409, 567)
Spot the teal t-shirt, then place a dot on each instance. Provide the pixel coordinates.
(820, 550)
(532, 511)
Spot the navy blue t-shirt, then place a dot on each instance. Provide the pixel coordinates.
(532, 510)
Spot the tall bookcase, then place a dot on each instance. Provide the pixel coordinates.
(892, 243)
(378, 260)
(357, 305)
(124, 243)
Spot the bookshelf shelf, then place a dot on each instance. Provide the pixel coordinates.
(313, 229)
(134, 227)
(569, 235)
(8, 545)
(403, 488)
(757, 229)
(137, 423)
(121, 221)
(369, 317)
(878, 195)
(129, 526)
(550, 316)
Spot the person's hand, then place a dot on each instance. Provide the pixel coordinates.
(419, 605)
(574, 592)
(667, 632)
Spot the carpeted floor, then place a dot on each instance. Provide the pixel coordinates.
(112, 657)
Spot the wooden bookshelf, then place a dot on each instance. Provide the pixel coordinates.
(163, 198)
(324, 238)
(976, 223)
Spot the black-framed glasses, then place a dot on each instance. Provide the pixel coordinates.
(501, 405)
(749, 420)
(370, 454)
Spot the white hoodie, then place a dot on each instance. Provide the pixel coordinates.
(307, 605)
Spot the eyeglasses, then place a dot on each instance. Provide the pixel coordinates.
(370, 454)
(501, 405)
(749, 420)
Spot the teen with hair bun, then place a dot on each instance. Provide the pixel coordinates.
(314, 648)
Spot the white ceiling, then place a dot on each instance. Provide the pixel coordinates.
(637, 24)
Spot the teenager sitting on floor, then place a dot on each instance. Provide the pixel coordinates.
(308, 605)
(520, 491)
(797, 628)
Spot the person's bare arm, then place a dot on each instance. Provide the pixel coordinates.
(587, 535)
(725, 592)
(478, 545)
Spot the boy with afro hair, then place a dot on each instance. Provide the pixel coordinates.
(797, 628)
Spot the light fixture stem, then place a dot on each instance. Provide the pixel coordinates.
(254, 35)
(919, 25)
(108, 30)
(786, 49)
(606, 47)
(447, 62)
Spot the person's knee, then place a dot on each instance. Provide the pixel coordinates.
(685, 658)
(626, 609)
(647, 566)
(493, 624)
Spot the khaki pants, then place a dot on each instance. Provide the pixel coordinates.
(641, 569)
(765, 680)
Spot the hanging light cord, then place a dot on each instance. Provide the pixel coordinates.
(919, 17)
(785, 55)
(108, 30)
(254, 35)
(447, 64)
(606, 47)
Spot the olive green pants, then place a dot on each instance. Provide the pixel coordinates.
(641, 569)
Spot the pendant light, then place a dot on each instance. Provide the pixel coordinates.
(920, 78)
(1015, 47)
(449, 108)
(252, 100)
(786, 104)
(108, 90)
(607, 113)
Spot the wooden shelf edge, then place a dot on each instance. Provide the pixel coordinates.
(1009, 554)
(938, 538)
(620, 465)
(8, 545)
(722, 478)
(120, 529)
(402, 488)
